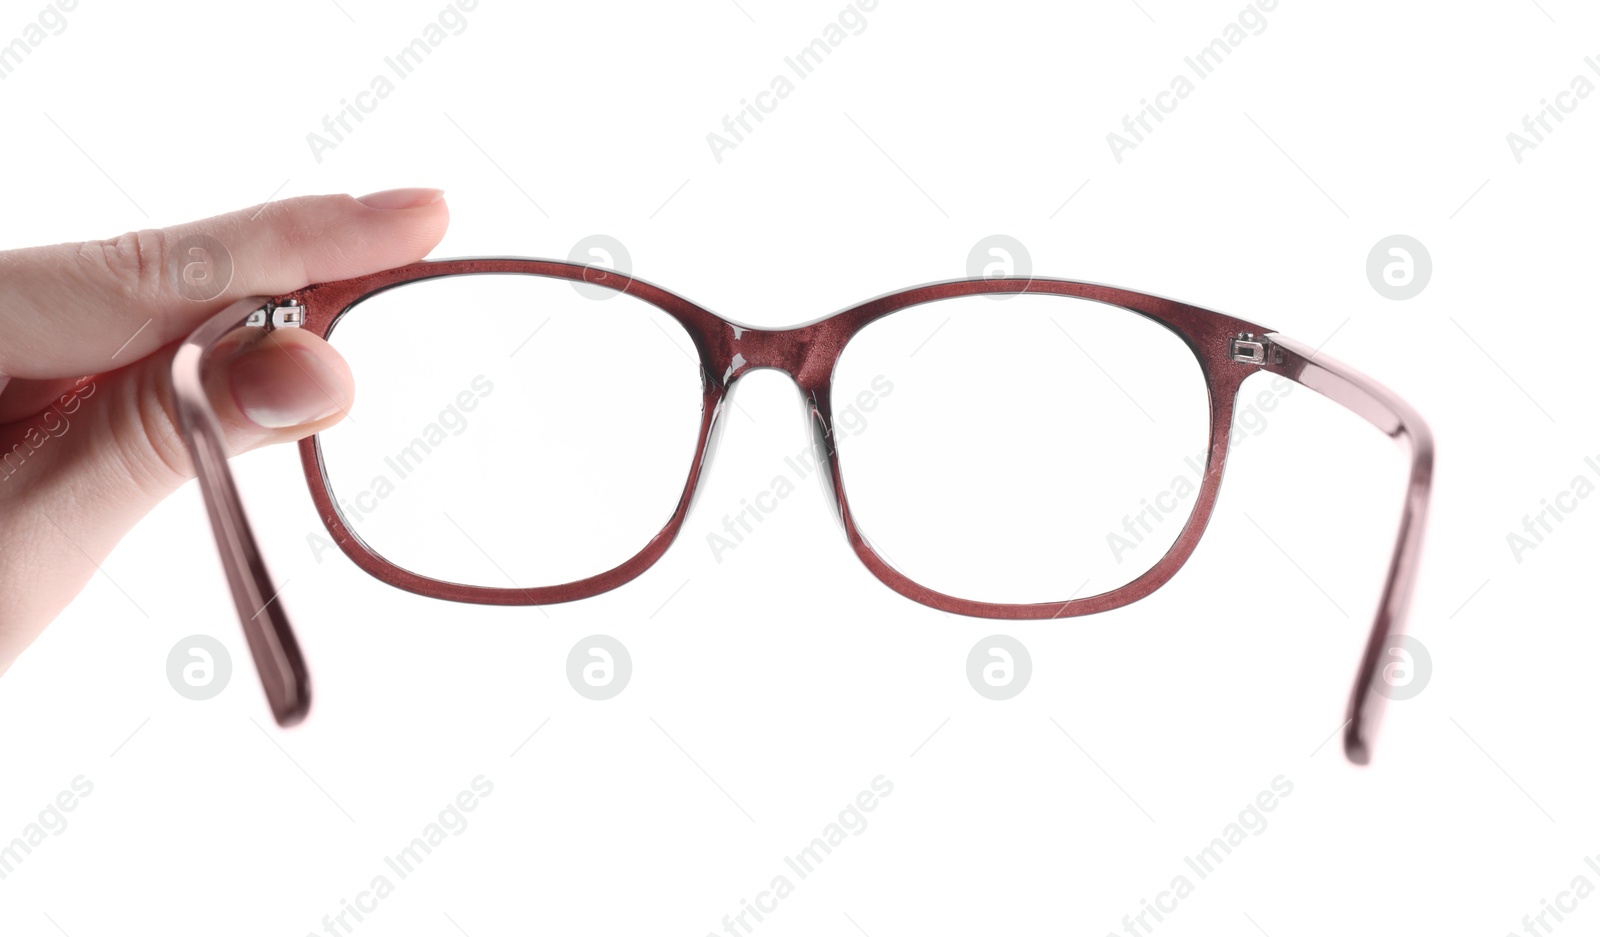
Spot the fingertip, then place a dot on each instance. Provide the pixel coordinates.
(400, 226)
(288, 385)
(400, 199)
(318, 238)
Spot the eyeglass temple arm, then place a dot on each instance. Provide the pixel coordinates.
(266, 628)
(1383, 409)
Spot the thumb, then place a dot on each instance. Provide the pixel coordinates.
(108, 448)
(78, 475)
(274, 387)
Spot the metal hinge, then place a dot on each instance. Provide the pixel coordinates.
(288, 315)
(1245, 348)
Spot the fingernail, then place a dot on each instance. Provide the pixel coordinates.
(391, 199)
(278, 386)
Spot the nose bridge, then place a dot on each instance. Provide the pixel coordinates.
(805, 354)
(788, 350)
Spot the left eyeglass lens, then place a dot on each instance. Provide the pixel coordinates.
(512, 430)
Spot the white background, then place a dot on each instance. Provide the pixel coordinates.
(769, 688)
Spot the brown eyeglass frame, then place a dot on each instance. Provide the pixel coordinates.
(1228, 349)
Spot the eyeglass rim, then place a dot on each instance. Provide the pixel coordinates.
(809, 353)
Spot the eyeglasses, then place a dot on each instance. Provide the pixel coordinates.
(533, 432)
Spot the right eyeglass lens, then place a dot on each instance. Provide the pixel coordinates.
(1022, 447)
(512, 430)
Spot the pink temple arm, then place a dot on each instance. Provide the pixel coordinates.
(1394, 416)
(266, 627)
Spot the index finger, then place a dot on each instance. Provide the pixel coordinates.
(83, 308)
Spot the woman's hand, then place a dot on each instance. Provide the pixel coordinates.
(88, 442)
